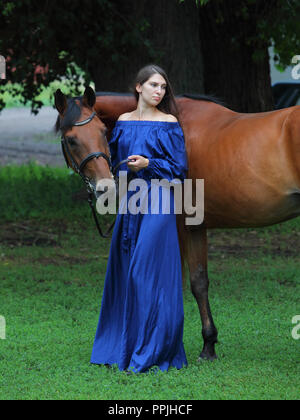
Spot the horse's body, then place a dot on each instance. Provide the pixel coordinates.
(250, 164)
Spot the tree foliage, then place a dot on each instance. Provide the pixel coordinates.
(280, 28)
(95, 36)
(235, 37)
(64, 36)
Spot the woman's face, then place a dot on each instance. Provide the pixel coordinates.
(153, 90)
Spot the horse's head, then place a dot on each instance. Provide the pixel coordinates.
(84, 142)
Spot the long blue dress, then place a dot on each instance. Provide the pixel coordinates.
(141, 318)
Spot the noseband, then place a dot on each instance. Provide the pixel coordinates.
(79, 168)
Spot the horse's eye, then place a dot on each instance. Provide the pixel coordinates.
(71, 141)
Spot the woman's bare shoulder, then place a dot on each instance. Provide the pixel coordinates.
(166, 117)
(125, 117)
(171, 118)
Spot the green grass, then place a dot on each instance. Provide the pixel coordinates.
(36, 192)
(51, 294)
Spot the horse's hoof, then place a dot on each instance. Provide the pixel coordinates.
(207, 358)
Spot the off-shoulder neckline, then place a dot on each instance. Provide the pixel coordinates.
(146, 122)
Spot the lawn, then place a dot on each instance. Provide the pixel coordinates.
(52, 268)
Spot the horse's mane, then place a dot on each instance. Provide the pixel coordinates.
(70, 118)
(200, 97)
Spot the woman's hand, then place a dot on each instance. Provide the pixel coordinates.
(139, 162)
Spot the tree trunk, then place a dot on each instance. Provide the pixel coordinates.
(236, 59)
(170, 41)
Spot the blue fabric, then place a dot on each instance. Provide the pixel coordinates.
(141, 318)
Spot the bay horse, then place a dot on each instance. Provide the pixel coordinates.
(250, 164)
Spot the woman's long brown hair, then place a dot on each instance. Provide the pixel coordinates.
(168, 104)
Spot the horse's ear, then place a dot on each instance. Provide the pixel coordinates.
(89, 97)
(60, 101)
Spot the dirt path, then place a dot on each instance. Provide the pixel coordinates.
(25, 137)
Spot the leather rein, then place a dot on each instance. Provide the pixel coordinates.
(79, 169)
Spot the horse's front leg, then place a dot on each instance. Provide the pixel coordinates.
(197, 262)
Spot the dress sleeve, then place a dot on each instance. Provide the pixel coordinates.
(113, 144)
(169, 160)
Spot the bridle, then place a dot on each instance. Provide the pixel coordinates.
(79, 169)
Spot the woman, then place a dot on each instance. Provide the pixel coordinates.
(141, 318)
